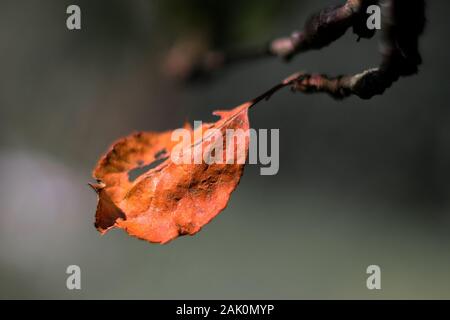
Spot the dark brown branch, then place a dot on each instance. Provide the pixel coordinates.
(320, 30)
(325, 27)
(403, 23)
(364, 85)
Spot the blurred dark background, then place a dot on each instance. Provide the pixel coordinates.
(360, 182)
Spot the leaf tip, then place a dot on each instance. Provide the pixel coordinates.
(97, 186)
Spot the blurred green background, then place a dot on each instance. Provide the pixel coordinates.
(360, 182)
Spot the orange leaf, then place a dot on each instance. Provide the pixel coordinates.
(173, 198)
(170, 199)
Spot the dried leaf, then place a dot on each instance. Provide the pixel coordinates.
(170, 199)
(173, 199)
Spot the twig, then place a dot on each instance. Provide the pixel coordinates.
(403, 23)
(325, 27)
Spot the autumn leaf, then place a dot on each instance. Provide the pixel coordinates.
(172, 198)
